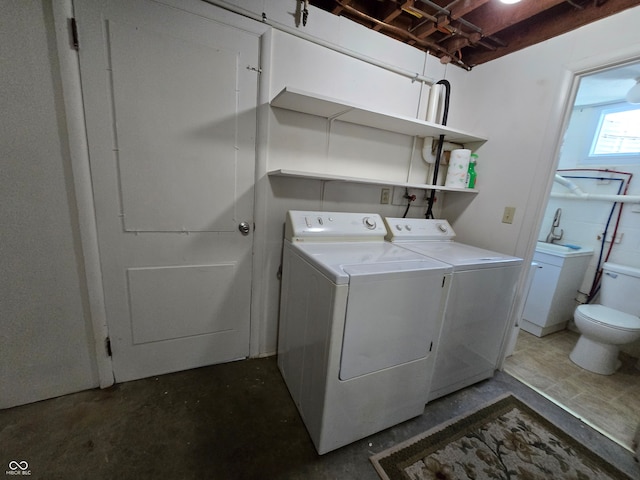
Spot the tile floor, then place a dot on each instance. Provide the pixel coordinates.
(609, 403)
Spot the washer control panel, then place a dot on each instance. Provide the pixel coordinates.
(414, 229)
(301, 226)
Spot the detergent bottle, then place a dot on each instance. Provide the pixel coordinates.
(471, 172)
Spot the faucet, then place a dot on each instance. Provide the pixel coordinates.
(553, 236)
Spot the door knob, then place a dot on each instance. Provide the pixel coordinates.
(244, 228)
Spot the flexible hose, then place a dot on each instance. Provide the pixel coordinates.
(436, 166)
(595, 284)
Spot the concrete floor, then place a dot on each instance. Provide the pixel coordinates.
(231, 421)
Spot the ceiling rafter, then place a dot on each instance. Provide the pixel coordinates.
(473, 32)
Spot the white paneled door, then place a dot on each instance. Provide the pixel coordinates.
(171, 119)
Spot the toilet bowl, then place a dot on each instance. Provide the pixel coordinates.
(605, 327)
(603, 330)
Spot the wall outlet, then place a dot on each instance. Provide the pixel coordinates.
(618, 238)
(385, 196)
(509, 213)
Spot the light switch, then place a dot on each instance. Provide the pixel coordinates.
(509, 213)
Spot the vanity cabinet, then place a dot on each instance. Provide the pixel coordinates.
(551, 300)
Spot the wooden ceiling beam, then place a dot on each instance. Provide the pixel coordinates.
(474, 31)
(337, 10)
(496, 16)
(553, 25)
(394, 30)
(464, 7)
(430, 28)
(392, 11)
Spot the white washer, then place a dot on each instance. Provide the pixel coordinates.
(359, 320)
(482, 293)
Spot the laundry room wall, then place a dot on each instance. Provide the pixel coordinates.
(520, 101)
(298, 141)
(46, 346)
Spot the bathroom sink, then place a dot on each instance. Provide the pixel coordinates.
(561, 250)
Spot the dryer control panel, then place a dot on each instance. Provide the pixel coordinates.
(310, 226)
(414, 229)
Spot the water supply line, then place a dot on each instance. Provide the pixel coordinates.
(618, 200)
(578, 194)
(436, 167)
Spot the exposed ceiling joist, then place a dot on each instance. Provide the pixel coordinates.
(472, 32)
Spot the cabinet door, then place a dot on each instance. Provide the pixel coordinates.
(540, 297)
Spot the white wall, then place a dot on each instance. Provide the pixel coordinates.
(46, 346)
(521, 100)
(301, 142)
(517, 101)
(583, 222)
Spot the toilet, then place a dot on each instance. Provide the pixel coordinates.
(613, 322)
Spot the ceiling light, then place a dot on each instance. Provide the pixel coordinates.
(633, 95)
(509, 2)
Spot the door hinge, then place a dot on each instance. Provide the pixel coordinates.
(74, 34)
(255, 69)
(107, 346)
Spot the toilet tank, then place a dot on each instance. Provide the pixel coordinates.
(620, 287)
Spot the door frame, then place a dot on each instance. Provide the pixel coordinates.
(69, 62)
(565, 98)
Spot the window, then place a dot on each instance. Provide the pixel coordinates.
(618, 134)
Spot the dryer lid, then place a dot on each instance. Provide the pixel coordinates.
(338, 261)
(395, 269)
(609, 316)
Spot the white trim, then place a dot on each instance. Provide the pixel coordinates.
(260, 205)
(554, 135)
(79, 153)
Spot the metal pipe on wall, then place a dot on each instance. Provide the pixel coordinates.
(578, 194)
(414, 76)
(597, 196)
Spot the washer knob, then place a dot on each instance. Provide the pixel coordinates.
(442, 227)
(399, 227)
(369, 222)
(408, 227)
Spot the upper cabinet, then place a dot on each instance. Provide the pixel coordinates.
(332, 109)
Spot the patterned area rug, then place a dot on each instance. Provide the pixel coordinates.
(504, 440)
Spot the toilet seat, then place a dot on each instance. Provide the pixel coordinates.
(609, 317)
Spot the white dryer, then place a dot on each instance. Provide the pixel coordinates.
(477, 314)
(359, 321)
